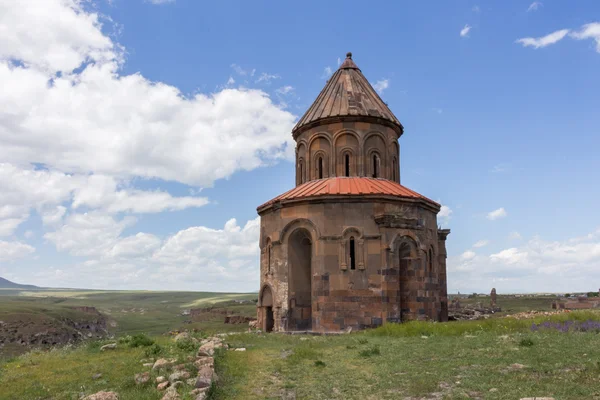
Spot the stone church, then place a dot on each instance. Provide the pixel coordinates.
(349, 246)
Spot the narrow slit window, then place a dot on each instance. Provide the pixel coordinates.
(352, 254)
(320, 167)
(375, 166)
(347, 160)
(269, 259)
(301, 172)
(430, 260)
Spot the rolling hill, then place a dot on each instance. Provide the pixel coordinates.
(6, 284)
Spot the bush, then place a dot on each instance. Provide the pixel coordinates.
(138, 340)
(371, 351)
(319, 363)
(153, 350)
(187, 344)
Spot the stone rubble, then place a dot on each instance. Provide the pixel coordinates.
(110, 346)
(102, 396)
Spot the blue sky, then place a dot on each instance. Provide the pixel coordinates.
(135, 131)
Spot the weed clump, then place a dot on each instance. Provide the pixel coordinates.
(526, 342)
(138, 340)
(153, 350)
(188, 345)
(370, 351)
(320, 363)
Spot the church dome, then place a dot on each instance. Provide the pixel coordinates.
(347, 96)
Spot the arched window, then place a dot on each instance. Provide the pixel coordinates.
(320, 167)
(301, 171)
(375, 166)
(352, 253)
(347, 164)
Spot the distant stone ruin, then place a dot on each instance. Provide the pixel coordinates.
(493, 298)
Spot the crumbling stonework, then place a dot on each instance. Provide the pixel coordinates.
(349, 247)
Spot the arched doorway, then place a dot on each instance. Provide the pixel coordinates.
(299, 285)
(266, 302)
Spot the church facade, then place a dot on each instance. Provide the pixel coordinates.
(349, 246)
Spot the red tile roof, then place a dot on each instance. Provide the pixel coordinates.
(347, 186)
(347, 94)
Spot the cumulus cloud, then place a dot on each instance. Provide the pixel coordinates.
(538, 265)
(468, 255)
(78, 135)
(464, 32)
(381, 85)
(544, 41)
(10, 251)
(497, 214)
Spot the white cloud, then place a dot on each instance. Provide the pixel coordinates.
(10, 251)
(534, 6)
(468, 255)
(497, 214)
(326, 73)
(589, 31)
(536, 266)
(267, 78)
(160, 1)
(381, 85)
(544, 40)
(481, 243)
(198, 257)
(230, 81)
(285, 90)
(515, 236)
(52, 36)
(445, 212)
(464, 32)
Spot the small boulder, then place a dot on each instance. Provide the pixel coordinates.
(182, 336)
(191, 381)
(202, 383)
(160, 379)
(171, 394)
(148, 365)
(240, 349)
(204, 361)
(96, 376)
(179, 367)
(163, 385)
(102, 396)
(142, 378)
(178, 376)
(206, 372)
(163, 363)
(110, 346)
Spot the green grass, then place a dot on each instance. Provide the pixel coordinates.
(455, 360)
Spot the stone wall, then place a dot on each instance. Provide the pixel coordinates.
(381, 287)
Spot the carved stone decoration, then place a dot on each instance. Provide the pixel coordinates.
(343, 261)
(398, 221)
(361, 254)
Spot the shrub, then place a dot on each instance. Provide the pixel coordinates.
(363, 341)
(319, 363)
(371, 351)
(138, 340)
(187, 344)
(153, 350)
(526, 342)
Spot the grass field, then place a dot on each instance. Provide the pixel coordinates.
(497, 358)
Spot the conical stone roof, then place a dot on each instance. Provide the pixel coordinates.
(347, 96)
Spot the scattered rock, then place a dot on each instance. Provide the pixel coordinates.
(142, 378)
(163, 385)
(96, 376)
(148, 365)
(191, 381)
(102, 396)
(202, 383)
(517, 366)
(110, 346)
(178, 376)
(171, 394)
(163, 363)
(206, 372)
(179, 367)
(196, 392)
(253, 324)
(537, 398)
(493, 390)
(160, 379)
(204, 361)
(240, 349)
